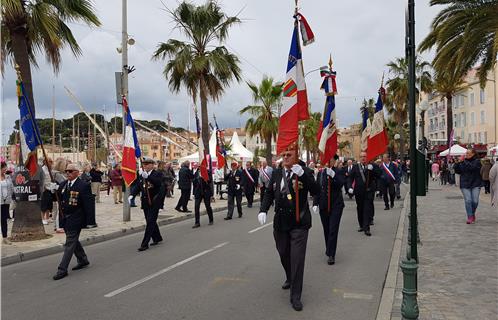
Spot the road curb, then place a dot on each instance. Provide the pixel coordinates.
(389, 289)
(57, 248)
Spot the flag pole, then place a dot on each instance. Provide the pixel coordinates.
(37, 133)
(296, 185)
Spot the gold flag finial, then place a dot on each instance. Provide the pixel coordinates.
(330, 61)
(382, 81)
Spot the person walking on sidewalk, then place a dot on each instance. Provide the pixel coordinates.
(493, 180)
(435, 171)
(234, 190)
(96, 176)
(76, 205)
(469, 168)
(331, 204)
(152, 191)
(47, 201)
(249, 181)
(7, 192)
(289, 230)
(117, 184)
(202, 192)
(486, 167)
(362, 182)
(185, 177)
(388, 180)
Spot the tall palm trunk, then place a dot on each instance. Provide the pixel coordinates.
(268, 149)
(204, 115)
(449, 117)
(20, 50)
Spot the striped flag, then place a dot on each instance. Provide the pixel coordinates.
(328, 137)
(295, 99)
(131, 148)
(29, 133)
(365, 129)
(377, 140)
(202, 153)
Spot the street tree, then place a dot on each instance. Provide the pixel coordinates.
(309, 135)
(201, 64)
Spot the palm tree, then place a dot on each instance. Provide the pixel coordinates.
(343, 145)
(397, 87)
(309, 135)
(203, 68)
(40, 26)
(265, 119)
(464, 34)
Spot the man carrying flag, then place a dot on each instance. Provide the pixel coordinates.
(220, 149)
(291, 184)
(131, 149)
(250, 178)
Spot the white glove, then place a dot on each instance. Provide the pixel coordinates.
(129, 199)
(144, 174)
(297, 169)
(238, 187)
(370, 167)
(262, 217)
(331, 173)
(315, 209)
(52, 186)
(350, 190)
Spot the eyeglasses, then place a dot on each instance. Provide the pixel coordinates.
(286, 155)
(69, 171)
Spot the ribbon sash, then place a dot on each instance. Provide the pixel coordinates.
(249, 175)
(389, 173)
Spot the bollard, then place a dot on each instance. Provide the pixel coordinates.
(409, 305)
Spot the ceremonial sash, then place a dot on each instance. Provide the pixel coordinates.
(249, 175)
(263, 171)
(389, 173)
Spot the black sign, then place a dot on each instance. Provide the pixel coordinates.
(25, 188)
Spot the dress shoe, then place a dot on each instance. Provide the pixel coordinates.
(371, 223)
(91, 226)
(297, 305)
(398, 197)
(392, 205)
(82, 265)
(331, 261)
(60, 275)
(240, 216)
(211, 223)
(386, 208)
(227, 218)
(286, 285)
(249, 205)
(197, 225)
(187, 211)
(360, 230)
(178, 209)
(133, 205)
(367, 233)
(155, 243)
(143, 248)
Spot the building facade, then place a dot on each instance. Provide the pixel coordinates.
(349, 141)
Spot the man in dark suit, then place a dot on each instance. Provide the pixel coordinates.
(362, 183)
(77, 204)
(249, 182)
(331, 204)
(347, 172)
(290, 226)
(202, 192)
(185, 177)
(234, 190)
(152, 191)
(388, 179)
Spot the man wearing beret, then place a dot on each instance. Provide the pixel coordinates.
(234, 190)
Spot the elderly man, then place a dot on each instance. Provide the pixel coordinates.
(265, 173)
(185, 178)
(77, 204)
(249, 182)
(234, 190)
(290, 226)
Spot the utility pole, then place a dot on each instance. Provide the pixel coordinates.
(95, 138)
(78, 141)
(73, 144)
(53, 116)
(124, 60)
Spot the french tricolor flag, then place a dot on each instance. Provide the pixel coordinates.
(131, 149)
(377, 141)
(328, 137)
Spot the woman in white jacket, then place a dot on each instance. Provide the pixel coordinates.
(6, 189)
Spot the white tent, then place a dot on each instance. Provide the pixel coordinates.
(493, 150)
(194, 157)
(456, 150)
(238, 150)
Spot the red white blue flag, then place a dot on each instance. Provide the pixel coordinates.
(328, 137)
(203, 157)
(29, 133)
(131, 148)
(377, 140)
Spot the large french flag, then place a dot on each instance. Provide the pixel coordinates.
(365, 129)
(29, 133)
(295, 99)
(131, 149)
(377, 140)
(328, 137)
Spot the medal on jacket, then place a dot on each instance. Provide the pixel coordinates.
(289, 196)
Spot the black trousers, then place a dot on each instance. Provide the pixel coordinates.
(5, 217)
(291, 246)
(330, 224)
(72, 246)
(197, 206)
(151, 228)
(365, 209)
(486, 186)
(183, 201)
(250, 199)
(389, 192)
(231, 202)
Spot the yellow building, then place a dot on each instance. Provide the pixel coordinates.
(350, 138)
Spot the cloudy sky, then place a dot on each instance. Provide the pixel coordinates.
(361, 35)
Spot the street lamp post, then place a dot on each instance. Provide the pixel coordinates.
(124, 93)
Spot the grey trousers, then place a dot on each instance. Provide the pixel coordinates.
(291, 246)
(231, 202)
(72, 246)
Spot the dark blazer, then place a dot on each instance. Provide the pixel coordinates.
(385, 177)
(247, 184)
(201, 187)
(234, 179)
(470, 173)
(336, 184)
(285, 209)
(360, 186)
(185, 177)
(77, 204)
(155, 187)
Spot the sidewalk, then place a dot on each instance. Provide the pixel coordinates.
(458, 267)
(109, 218)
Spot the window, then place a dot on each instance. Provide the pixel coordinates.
(475, 137)
(485, 137)
(455, 120)
(480, 137)
(470, 137)
(464, 119)
(472, 99)
(481, 96)
(483, 117)
(472, 119)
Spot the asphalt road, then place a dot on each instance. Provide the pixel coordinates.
(230, 270)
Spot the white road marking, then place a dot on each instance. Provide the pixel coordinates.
(359, 296)
(160, 272)
(259, 228)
